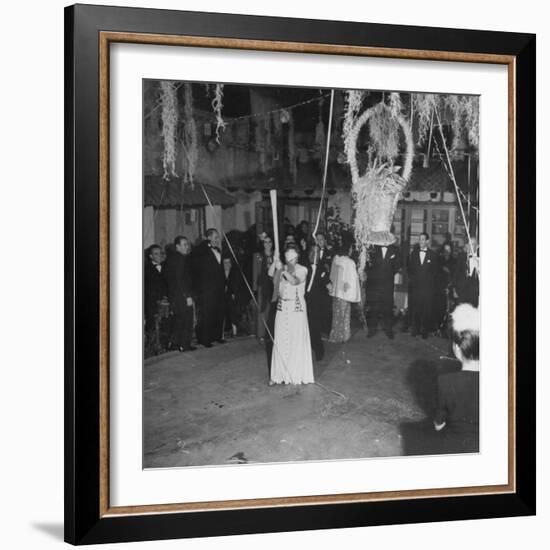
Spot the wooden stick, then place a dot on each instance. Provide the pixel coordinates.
(273, 197)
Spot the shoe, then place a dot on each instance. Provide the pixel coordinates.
(189, 348)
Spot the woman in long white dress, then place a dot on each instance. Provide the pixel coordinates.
(291, 361)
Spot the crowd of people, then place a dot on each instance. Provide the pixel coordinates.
(296, 300)
(211, 292)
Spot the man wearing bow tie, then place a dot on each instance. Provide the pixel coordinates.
(210, 285)
(319, 302)
(384, 262)
(180, 293)
(154, 285)
(422, 270)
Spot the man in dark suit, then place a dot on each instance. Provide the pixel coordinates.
(154, 286)
(210, 285)
(319, 304)
(422, 272)
(180, 293)
(322, 279)
(384, 262)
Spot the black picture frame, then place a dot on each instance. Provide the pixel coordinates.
(84, 521)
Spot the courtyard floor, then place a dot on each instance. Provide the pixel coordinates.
(214, 406)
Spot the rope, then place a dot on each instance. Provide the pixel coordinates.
(327, 151)
(253, 115)
(278, 110)
(453, 179)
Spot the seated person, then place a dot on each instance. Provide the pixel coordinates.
(457, 413)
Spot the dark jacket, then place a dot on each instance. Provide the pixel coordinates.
(381, 270)
(208, 273)
(422, 276)
(321, 278)
(177, 273)
(154, 288)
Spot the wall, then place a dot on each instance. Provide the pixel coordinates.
(171, 222)
(232, 158)
(342, 200)
(31, 462)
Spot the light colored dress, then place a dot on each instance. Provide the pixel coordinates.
(345, 290)
(291, 361)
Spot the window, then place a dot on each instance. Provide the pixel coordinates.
(440, 225)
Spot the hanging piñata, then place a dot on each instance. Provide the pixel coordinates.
(377, 191)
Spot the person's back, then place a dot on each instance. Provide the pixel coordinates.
(457, 414)
(458, 400)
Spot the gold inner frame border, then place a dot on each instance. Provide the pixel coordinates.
(105, 39)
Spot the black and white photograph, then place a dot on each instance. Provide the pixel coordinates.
(310, 272)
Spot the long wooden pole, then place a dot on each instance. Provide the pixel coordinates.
(273, 197)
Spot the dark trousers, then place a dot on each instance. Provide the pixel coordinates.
(315, 309)
(182, 327)
(210, 318)
(325, 310)
(421, 306)
(379, 303)
(269, 315)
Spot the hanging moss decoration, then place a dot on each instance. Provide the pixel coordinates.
(384, 133)
(464, 111)
(424, 105)
(353, 100)
(190, 141)
(169, 125)
(461, 111)
(217, 105)
(470, 107)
